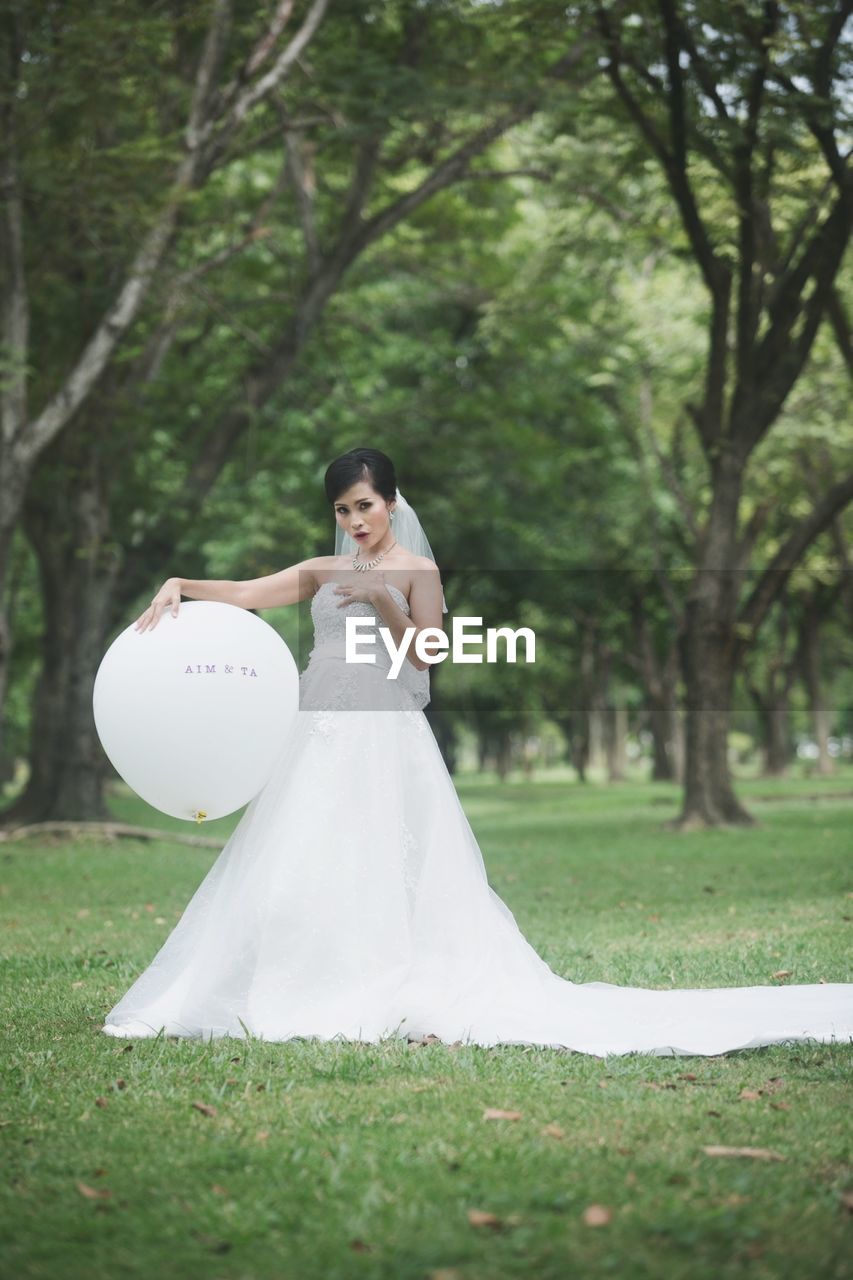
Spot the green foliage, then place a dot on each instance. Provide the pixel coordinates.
(523, 346)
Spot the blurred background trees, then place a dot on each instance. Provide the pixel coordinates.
(578, 270)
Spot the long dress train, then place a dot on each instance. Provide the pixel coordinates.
(351, 901)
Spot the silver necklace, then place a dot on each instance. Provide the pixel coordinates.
(362, 565)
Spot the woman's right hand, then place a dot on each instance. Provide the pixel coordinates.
(168, 595)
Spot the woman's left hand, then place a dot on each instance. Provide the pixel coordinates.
(366, 594)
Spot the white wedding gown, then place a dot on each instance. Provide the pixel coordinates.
(351, 902)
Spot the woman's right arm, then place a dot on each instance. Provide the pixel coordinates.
(285, 587)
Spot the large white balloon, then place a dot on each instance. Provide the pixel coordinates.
(193, 713)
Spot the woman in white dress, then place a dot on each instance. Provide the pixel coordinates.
(351, 900)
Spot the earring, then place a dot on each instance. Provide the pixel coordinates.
(393, 514)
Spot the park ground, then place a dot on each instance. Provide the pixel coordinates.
(240, 1160)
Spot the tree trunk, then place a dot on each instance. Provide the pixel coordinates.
(656, 712)
(678, 741)
(664, 726)
(772, 706)
(810, 668)
(777, 749)
(12, 487)
(503, 754)
(579, 752)
(708, 645)
(577, 741)
(660, 682)
(482, 752)
(67, 528)
(442, 724)
(597, 736)
(616, 730)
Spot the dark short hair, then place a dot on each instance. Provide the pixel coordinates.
(371, 465)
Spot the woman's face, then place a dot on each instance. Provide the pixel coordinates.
(364, 514)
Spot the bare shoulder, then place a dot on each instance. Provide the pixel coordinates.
(421, 563)
(325, 567)
(324, 562)
(320, 567)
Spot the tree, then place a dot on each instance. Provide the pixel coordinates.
(393, 133)
(38, 66)
(742, 106)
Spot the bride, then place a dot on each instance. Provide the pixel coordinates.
(351, 900)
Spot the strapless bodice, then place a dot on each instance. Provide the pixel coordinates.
(330, 683)
(330, 620)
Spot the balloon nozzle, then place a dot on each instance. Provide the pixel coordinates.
(200, 815)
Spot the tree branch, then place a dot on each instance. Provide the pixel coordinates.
(747, 314)
(109, 831)
(301, 168)
(16, 305)
(751, 532)
(264, 377)
(840, 327)
(774, 578)
(242, 103)
(780, 356)
(265, 45)
(91, 363)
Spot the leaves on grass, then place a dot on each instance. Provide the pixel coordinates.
(597, 1215)
(481, 1218)
(120, 1083)
(360, 1246)
(93, 1193)
(101, 1101)
(771, 1086)
(553, 1131)
(495, 1113)
(205, 1108)
(783, 973)
(750, 1153)
(213, 1244)
(847, 1201)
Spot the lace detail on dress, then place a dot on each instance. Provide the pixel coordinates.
(329, 683)
(411, 863)
(329, 616)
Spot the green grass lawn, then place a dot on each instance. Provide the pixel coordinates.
(348, 1160)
